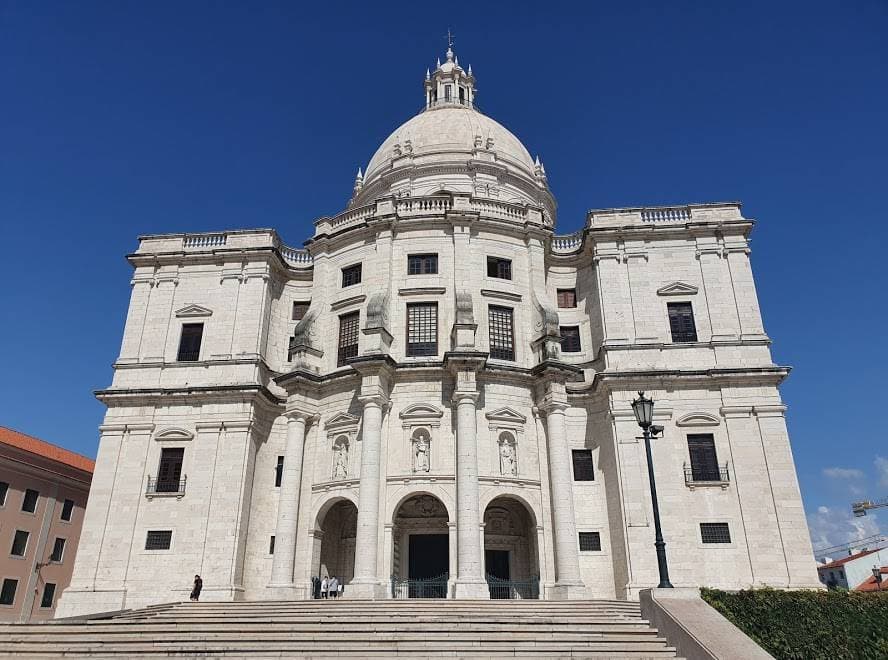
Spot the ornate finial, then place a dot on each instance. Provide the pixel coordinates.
(439, 63)
(450, 36)
(360, 175)
(456, 60)
(359, 180)
(428, 75)
(470, 69)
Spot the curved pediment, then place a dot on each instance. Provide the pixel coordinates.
(193, 311)
(421, 411)
(698, 419)
(506, 415)
(677, 289)
(174, 433)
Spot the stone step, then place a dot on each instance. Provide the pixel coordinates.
(455, 654)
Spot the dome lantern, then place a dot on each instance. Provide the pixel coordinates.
(449, 84)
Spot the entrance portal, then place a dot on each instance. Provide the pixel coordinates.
(510, 550)
(334, 546)
(420, 549)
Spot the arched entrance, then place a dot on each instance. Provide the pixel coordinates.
(420, 548)
(510, 549)
(335, 533)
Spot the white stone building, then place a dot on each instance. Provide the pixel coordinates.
(439, 386)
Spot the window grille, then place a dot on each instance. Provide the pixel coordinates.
(570, 338)
(704, 461)
(300, 308)
(502, 336)
(279, 472)
(422, 264)
(348, 338)
(58, 550)
(351, 275)
(189, 342)
(499, 268)
(422, 329)
(29, 501)
(681, 322)
(590, 542)
(158, 539)
(715, 533)
(7, 593)
(567, 298)
(583, 468)
(48, 597)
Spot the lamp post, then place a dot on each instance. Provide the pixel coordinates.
(644, 415)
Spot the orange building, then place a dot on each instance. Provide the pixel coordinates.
(43, 493)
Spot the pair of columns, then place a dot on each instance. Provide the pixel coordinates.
(470, 580)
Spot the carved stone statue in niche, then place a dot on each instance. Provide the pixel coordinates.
(340, 460)
(421, 462)
(508, 457)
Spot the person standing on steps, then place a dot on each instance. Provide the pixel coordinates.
(195, 590)
(325, 583)
(334, 587)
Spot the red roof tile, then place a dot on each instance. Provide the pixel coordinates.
(872, 585)
(41, 448)
(845, 560)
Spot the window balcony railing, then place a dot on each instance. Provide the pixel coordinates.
(706, 476)
(165, 487)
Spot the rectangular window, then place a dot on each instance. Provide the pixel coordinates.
(567, 298)
(462, 95)
(351, 275)
(67, 510)
(169, 471)
(279, 472)
(582, 464)
(48, 597)
(681, 322)
(704, 461)
(499, 268)
(4, 489)
(7, 594)
(422, 264)
(422, 329)
(502, 336)
(58, 550)
(348, 338)
(271, 546)
(447, 92)
(715, 533)
(189, 342)
(570, 338)
(300, 307)
(19, 543)
(29, 501)
(590, 542)
(158, 539)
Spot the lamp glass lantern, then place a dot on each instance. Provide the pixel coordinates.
(644, 410)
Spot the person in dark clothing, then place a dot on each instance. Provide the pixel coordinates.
(195, 591)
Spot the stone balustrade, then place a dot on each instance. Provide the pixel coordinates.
(296, 257)
(567, 244)
(664, 215)
(413, 206)
(204, 240)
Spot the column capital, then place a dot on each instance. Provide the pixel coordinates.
(377, 399)
(460, 396)
(553, 407)
(308, 416)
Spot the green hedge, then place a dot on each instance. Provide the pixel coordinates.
(809, 625)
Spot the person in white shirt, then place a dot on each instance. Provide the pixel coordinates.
(325, 583)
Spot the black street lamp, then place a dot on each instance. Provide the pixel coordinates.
(644, 415)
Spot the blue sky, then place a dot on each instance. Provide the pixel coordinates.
(123, 118)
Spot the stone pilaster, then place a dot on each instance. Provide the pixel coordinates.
(470, 582)
(567, 560)
(282, 577)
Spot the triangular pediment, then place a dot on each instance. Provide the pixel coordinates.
(341, 420)
(421, 411)
(677, 289)
(193, 310)
(698, 419)
(506, 415)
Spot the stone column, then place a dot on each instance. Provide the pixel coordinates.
(470, 581)
(288, 505)
(567, 560)
(366, 583)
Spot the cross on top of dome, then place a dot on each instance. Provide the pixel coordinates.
(449, 84)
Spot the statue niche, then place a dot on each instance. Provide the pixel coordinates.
(422, 447)
(340, 458)
(508, 451)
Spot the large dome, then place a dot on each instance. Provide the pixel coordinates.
(451, 130)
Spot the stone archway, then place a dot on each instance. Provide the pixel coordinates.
(511, 557)
(335, 533)
(420, 548)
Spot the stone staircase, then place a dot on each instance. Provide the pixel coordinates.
(357, 629)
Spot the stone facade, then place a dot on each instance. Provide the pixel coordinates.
(457, 441)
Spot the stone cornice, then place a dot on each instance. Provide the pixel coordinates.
(112, 395)
(623, 380)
